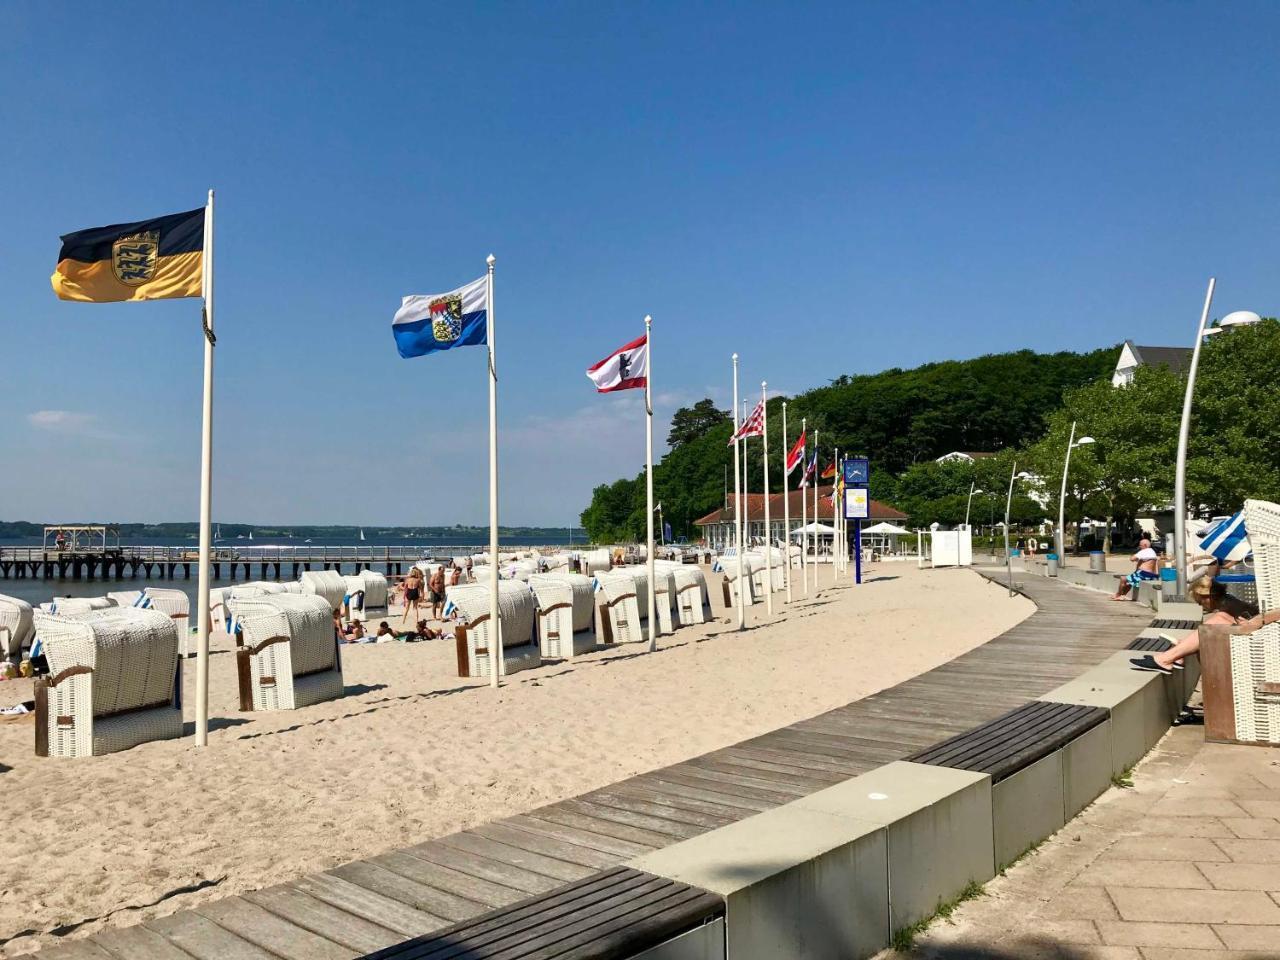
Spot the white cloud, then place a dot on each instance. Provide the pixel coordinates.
(70, 423)
(61, 421)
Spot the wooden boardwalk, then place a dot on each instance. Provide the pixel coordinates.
(373, 903)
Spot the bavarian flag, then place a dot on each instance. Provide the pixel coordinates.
(149, 260)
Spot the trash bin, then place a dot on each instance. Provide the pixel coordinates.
(1097, 560)
(1051, 559)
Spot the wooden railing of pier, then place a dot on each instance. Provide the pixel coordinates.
(167, 562)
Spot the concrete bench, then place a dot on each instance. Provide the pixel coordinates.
(1142, 705)
(1047, 761)
(1152, 641)
(831, 875)
(618, 914)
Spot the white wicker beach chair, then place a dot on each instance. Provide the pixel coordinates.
(565, 621)
(1255, 657)
(367, 595)
(664, 599)
(325, 583)
(73, 605)
(750, 581)
(619, 596)
(693, 603)
(474, 632)
(754, 564)
(114, 682)
(591, 562)
(286, 651)
(167, 600)
(16, 627)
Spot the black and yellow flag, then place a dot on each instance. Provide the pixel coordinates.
(148, 260)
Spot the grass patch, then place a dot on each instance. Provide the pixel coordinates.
(904, 939)
(1124, 779)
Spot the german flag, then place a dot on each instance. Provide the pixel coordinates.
(155, 259)
(830, 472)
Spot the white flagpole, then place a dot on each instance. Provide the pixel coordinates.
(804, 519)
(737, 496)
(786, 502)
(816, 542)
(206, 489)
(746, 483)
(495, 618)
(768, 525)
(835, 525)
(648, 482)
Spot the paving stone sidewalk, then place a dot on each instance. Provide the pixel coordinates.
(1184, 865)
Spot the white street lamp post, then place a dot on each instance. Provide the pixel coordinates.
(1240, 318)
(1072, 443)
(1008, 505)
(972, 491)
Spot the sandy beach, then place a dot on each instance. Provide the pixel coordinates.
(413, 752)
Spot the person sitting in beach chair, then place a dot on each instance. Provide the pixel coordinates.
(1220, 608)
(1145, 562)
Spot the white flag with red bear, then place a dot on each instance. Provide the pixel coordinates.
(627, 368)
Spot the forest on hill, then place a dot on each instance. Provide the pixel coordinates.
(1019, 407)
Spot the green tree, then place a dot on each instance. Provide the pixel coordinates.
(690, 423)
(1234, 448)
(1130, 466)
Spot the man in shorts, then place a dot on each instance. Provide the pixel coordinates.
(1144, 568)
(435, 590)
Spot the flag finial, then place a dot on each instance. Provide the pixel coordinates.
(491, 259)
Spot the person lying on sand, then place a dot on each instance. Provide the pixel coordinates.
(1220, 608)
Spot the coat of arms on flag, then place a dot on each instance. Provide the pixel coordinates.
(446, 317)
(627, 368)
(426, 323)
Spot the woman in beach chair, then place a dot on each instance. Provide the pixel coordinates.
(1220, 608)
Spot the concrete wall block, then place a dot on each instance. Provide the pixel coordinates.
(704, 943)
(1027, 807)
(1086, 768)
(797, 883)
(939, 830)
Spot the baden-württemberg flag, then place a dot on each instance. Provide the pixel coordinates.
(441, 321)
(148, 260)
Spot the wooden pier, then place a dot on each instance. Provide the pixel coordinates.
(229, 562)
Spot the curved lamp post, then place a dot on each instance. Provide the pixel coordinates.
(967, 505)
(1008, 505)
(1072, 443)
(1240, 318)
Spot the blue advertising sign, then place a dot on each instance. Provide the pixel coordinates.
(857, 472)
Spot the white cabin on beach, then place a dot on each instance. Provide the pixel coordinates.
(717, 526)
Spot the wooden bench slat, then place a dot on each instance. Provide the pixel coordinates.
(409, 892)
(1007, 744)
(523, 840)
(475, 889)
(497, 851)
(608, 916)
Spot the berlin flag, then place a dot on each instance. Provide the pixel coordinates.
(796, 455)
(627, 368)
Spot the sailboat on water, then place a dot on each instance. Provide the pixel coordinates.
(217, 532)
(250, 534)
(362, 535)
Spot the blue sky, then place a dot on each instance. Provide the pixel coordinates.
(825, 189)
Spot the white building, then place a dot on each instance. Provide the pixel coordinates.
(1133, 356)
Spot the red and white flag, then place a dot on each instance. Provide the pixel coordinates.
(627, 368)
(796, 455)
(753, 426)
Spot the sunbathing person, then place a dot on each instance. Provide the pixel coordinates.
(1144, 568)
(385, 631)
(1220, 608)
